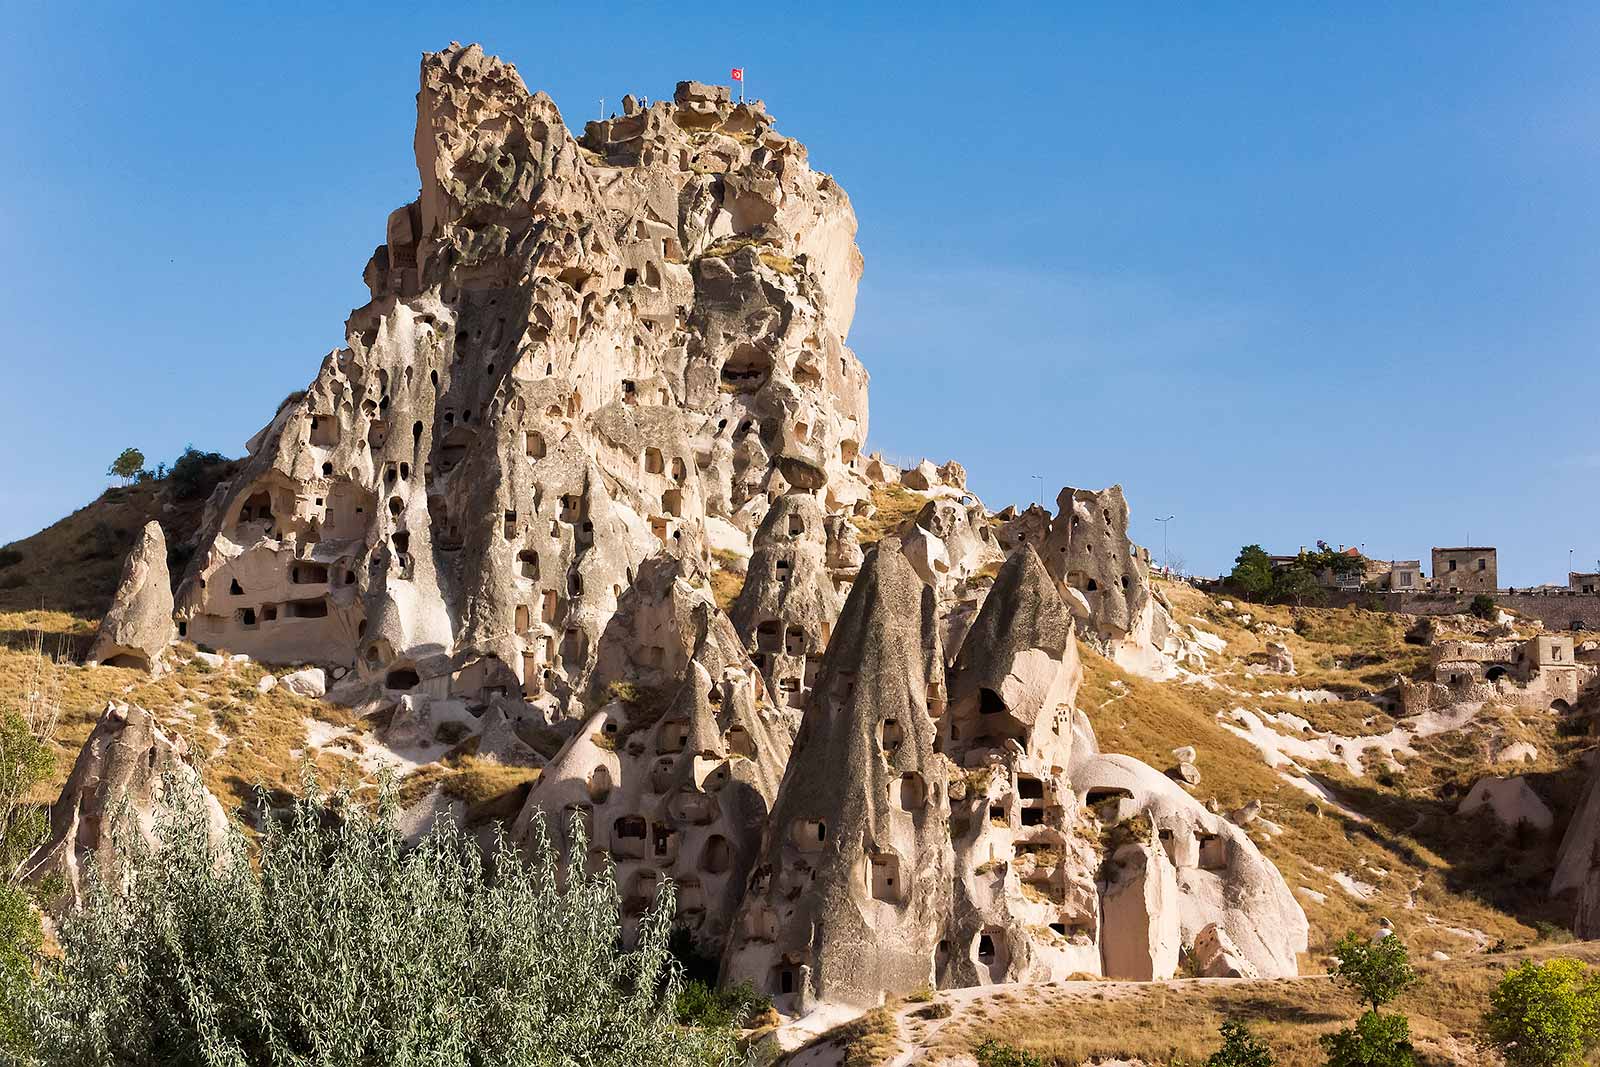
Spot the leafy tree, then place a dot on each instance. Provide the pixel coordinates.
(1545, 1014)
(1483, 606)
(347, 948)
(128, 465)
(1252, 572)
(1376, 970)
(1374, 1041)
(1298, 582)
(1240, 1048)
(195, 473)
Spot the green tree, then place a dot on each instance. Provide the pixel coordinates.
(1374, 1041)
(1252, 572)
(195, 473)
(1240, 1048)
(128, 465)
(1297, 582)
(26, 760)
(1545, 1014)
(1483, 606)
(343, 947)
(1376, 970)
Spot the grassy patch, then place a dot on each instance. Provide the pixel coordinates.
(893, 507)
(1170, 1023)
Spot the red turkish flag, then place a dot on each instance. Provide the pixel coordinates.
(738, 74)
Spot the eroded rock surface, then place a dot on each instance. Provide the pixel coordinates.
(138, 627)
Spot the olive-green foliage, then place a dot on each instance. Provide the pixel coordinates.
(1483, 606)
(702, 1004)
(25, 761)
(994, 1053)
(1374, 1041)
(1377, 970)
(1545, 1014)
(1240, 1048)
(347, 948)
(128, 464)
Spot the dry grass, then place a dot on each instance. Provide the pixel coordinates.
(893, 507)
(241, 737)
(1420, 859)
(728, 574)
(1169, 1023)
(865, 1041)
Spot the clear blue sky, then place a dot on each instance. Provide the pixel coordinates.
(1282, 274)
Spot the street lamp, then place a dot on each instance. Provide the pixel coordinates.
(1166, 554)
(1040, 479)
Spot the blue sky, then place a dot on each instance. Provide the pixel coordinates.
(1284, 274)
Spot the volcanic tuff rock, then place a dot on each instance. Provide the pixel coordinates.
(594, 372)
(138, 627)
(126, 764)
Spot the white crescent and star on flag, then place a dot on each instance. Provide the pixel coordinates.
(737, 74)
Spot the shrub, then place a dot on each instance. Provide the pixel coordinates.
(1252, 573)
(994, 1053)
(1374, 1041)
(1377, 971)
(26, 759)
(348, 948)
(1544, 1014)
(701, 1004)
(1483, 606)
(128, 465)
(194, 474)
(10, 557)
(1240, 1048)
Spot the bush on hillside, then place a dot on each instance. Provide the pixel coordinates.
(1374, 1041)
(341, 946)
(1240, 1048)
(1376, 970)
(194, 474)
(1545, 1014)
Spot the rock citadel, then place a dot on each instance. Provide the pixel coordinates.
(601, 379)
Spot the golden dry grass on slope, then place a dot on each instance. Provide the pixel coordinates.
(242, 737)
(893, 507)
(1176, 1022)
(1464, 884)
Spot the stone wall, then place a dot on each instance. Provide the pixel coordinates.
(1557, 610)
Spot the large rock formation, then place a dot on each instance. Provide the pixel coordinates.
(852, 884)
(576, 353)
(674, 774)
(591, 373)
(122, 771)
(138, 627)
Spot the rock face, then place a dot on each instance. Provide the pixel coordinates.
(138, 628)
(595, 379)
(982, 837)
(575, 353)
(675, 773)
(852, 885)
(127, 760)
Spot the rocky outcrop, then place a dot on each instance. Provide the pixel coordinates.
(852, 885)
(121, 772)
(674, 774)
(577, 353)
(138, 627)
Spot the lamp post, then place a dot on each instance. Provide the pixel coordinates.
(1040, 479)
(1166, 552)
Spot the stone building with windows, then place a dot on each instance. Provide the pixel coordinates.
(1465, 570)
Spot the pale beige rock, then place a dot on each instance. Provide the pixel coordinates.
(126, 761)
(138, 627)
